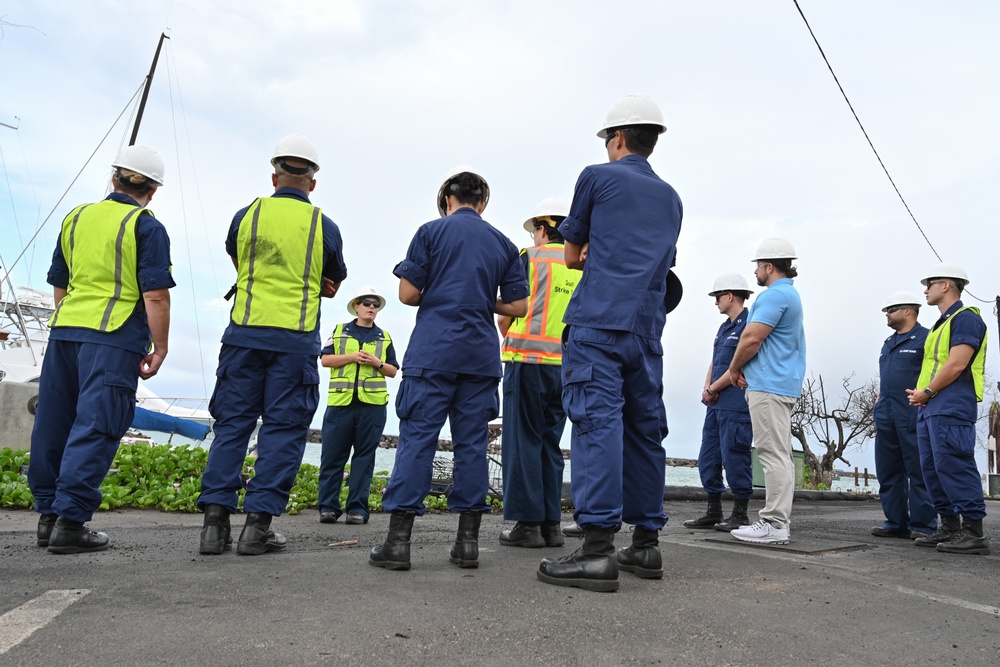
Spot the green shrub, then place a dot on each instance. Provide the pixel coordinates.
(169, 479)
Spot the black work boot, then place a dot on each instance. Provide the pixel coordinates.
(572, 530)
(215, 534)
(737, 518)
(394, 554)
(257, 537)
(712, 516)
(552, 535)
(949, 527)
(642, 558)
(592, 567)
(465, 553)
(45, 525)
(523, 534)
(969, 540)
(70, 537)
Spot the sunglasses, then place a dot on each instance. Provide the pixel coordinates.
(611, 135)
(368, 303)
(893, 309)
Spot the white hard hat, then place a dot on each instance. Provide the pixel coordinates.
(555, 207)
(296, 145)
(142, 160)
(461, 169)
(730, 282)
(774, 248)
(946, 270)
(633, 110)
(902, 298)
(363, 292)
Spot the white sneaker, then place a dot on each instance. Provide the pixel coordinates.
(762, 532)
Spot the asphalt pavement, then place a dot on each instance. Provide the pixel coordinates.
(834, 595)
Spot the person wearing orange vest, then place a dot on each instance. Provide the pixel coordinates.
(533, 414)
(360, 357)
(111, 277)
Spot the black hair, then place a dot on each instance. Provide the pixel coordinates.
(742, 294)
(639, 139)
(552, 234)
(785, 266)
(133, 183)
(467, 188)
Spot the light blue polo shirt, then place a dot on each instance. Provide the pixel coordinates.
(780, 365)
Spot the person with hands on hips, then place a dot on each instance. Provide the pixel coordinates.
(360, 357)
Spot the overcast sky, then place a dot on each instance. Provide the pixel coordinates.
(394, 94)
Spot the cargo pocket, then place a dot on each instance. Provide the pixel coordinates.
(409, 394)
(742, 433)
(310, 386)
(220, 373)
(117, 408)
(493, 411)
(574, 394)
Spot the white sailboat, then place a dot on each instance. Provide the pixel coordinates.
(24, 331)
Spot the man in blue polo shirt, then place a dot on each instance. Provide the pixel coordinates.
(947, 393)
(770, 362)
(622, 232)
(287, 254)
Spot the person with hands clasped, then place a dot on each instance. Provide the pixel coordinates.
(360, 357)
(950, 385)
(726, 435)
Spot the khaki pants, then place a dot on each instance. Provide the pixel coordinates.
(771, 415)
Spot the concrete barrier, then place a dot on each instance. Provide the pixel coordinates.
(17, 413)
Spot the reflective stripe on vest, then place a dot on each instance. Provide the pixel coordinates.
(936, 354)
(537, 337)
(100, 295)
(374, 389)
(279, 248)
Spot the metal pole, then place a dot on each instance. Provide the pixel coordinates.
(145, 91)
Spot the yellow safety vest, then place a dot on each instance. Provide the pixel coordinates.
(937, 348)
(279, 249)
(98, 242)
(537, 337)
(343, 380)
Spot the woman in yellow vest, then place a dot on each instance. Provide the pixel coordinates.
(360, 357)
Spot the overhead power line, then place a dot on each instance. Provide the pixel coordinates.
(872, 145)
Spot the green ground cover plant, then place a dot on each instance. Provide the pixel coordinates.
(169, 479)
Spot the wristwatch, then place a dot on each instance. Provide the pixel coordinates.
(381, 364)
(930, 394)
(708, 390)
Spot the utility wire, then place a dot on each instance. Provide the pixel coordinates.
(171, 74)
(63, 196)
(872, 145)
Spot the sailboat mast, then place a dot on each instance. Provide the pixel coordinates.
(145, 90)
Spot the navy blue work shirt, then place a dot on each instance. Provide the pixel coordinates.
(898, 369)
(152, 269)
(459, 262)
(726, 340)
(362, 335)
(275, 339)
(958, 399)
(631, 218)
